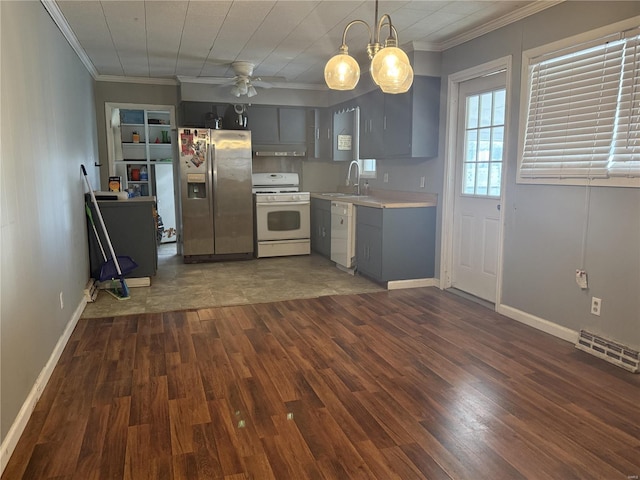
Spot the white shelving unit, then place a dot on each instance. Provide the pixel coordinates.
(145, 140)
(144, 162)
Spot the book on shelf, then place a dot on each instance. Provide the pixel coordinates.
(115, 183)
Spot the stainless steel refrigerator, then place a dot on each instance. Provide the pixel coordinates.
(215, 194)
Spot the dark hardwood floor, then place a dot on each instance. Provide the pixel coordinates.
(406, 384)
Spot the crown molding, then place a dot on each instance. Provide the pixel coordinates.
(144, 80)
(503, 21)
(59, 19)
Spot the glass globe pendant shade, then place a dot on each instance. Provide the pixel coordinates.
(342, 72)
(390, 68)
(400, 88)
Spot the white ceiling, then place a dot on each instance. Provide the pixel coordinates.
(161, 39)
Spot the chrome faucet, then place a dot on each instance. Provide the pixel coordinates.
(356, 186)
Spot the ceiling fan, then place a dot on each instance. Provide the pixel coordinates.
(244, 83)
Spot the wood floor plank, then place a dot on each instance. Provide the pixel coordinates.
(404, 384)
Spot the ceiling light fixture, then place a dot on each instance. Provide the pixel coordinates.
(243, 87)
(390, 66)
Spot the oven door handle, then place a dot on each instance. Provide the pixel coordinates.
(284, 204)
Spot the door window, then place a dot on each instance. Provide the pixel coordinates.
(483, 145)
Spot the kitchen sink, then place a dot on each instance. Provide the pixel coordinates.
(334, 194)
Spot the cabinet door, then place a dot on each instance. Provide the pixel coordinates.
(397, 124)
(369, 250)
(344, 126)
(321, 227)
(319, 122)
(371, 124)
(313, 141)
(196, 114)
(325, 133)
(325, 244)
(426, 116)
(292, 125)
(263, 123)
(315, 225)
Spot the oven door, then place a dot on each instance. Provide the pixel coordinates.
(282, 220)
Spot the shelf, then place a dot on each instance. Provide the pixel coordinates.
(146, 153)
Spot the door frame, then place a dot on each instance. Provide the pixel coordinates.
(448, 191)
(108, 112)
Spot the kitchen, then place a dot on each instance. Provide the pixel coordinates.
(47, 239)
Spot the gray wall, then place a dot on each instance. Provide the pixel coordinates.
(48, 130)
(116, 92)
(544, 224)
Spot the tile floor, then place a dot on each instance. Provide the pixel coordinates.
(177, 286)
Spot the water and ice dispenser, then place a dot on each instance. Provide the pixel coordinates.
(196, 185)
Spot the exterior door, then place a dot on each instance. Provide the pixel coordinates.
(478, 185)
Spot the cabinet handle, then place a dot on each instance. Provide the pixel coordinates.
(384, 122)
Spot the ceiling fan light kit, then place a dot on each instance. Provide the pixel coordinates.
(390, 67)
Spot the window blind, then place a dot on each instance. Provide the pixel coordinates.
(572, 112)
(625, 158)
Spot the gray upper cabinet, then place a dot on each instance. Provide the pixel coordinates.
(293, 125)
(263, 123)
(371, 124)
(403, 125)
(319, 128)
(345, 135)
(271, 125)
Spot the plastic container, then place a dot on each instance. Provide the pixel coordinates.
(143, 174)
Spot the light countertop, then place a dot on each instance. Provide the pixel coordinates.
(383, 199)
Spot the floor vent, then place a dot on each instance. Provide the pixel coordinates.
(612, 352)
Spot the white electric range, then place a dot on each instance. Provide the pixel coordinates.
(282, 215)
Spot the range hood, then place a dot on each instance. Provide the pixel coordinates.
(280, 150)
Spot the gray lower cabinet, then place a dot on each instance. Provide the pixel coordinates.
(321, 227)
(133, 232)
(396, 243)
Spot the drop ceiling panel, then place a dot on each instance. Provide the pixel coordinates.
(290, 38)
(200, 28)
(242, 20)
(90, 27)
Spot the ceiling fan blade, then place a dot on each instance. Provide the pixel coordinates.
(262, 78)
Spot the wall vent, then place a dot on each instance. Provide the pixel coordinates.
(610, 351)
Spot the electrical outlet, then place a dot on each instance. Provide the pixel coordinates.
(385, 178)
(596, 306)
(422, 182)
(61, 301)
(581, 279)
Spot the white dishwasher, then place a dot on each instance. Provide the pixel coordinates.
(343, 234)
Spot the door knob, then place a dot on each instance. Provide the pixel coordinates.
(498, 206)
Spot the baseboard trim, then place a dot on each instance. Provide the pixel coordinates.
(413, 283)
(538, 323)
(19, 424)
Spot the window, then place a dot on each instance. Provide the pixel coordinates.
(367, 168)
(483, 141)
(582, 112)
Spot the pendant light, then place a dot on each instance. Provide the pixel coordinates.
(390, 67)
